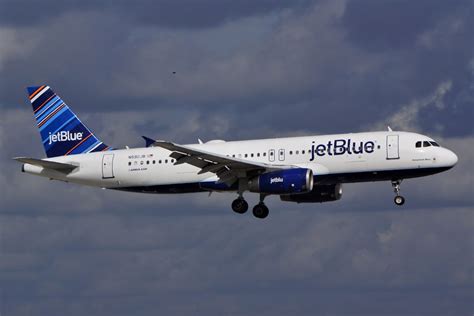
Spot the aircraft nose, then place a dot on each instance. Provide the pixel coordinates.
(451, 158)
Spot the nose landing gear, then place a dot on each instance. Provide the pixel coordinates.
(399, 200)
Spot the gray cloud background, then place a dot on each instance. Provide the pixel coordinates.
(246, 69)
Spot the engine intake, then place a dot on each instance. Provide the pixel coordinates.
(282, 182)
(319, 194)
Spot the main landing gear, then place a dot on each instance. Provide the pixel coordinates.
(399, 200)
(239, 205)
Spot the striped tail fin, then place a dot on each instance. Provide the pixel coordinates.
(62, 133)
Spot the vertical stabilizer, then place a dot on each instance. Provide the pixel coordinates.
(62, 133)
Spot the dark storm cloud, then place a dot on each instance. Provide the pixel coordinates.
(163, 13)
(243, 70)
(114, 259)
(396, 24)
(297, 63)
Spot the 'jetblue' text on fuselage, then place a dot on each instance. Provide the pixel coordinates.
(341, 147)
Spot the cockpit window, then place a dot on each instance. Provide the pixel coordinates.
(426, 144)
(418, 145)
(434, 144)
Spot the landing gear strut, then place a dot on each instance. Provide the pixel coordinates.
(260, 210)
(399, 200)
(239, 205)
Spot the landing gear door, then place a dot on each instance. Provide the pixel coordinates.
(392, 147)
(108, 166)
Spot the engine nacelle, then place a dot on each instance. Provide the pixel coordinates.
(289, 181)
(319, 194)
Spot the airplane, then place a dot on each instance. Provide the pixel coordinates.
(308, 169)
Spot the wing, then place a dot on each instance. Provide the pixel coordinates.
(228, 169)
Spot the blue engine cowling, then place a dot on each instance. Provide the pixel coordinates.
(289, 181)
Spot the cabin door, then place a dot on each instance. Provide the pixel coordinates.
(392, 147)
(108, 166)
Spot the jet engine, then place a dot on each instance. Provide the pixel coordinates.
(282, 182)
(319, 194)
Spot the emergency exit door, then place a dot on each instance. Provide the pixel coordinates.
(108, 166)
(281, 155)
(392, 147)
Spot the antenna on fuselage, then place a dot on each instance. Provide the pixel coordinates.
(389, 129)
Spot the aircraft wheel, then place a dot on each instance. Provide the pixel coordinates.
(260, 210)
(399, 200)
(240, 206)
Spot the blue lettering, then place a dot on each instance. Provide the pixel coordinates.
(320, 150)
(312, 152)
(369, 147)
(340, 147)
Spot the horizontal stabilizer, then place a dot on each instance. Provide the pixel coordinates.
(58, 166)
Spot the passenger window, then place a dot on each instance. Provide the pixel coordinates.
(291, 152)
(148, 162)
(159, 161)
(166, 160)
(233, 156)
(297, 152)
(426, 144)
(302, 152)
(264, 154)
(129, 163)
(258, 154)
(434, 144)
(251, 155)
(418, 145)
(246, 155)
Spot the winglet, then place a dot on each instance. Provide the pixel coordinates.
(148, 141)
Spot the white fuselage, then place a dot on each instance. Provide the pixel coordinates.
(356, 157)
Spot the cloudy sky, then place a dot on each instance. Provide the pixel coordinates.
(243, 69)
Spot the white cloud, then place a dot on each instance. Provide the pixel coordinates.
(15, 44)
(406, 118)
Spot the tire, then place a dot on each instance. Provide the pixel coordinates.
(399, 200)
(240, 206)
(260, 211)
